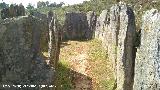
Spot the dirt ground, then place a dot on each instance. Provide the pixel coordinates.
(83, 72)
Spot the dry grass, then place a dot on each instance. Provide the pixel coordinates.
(101, 67)
(98, 70)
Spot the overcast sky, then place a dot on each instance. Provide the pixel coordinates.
(25, 2)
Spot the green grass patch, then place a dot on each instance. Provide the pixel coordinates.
(63, 81)
(96, 50)
(102, 67)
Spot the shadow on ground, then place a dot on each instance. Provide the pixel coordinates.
(67, 78)
(80, 40)
(63, 44)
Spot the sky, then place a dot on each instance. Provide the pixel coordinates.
(34, 2)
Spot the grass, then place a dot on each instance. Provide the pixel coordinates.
(96, 51)
(101, 66)
(101, 69)
(63, 76)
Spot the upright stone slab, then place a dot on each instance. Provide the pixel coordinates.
(113, 35)
(120, 44)
(40, 15)
(147, 72)
(75, 26)
(54, 40)
(21, 59)
(125, 48)
(102, 21)
(91, 18)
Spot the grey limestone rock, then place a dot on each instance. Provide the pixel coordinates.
(116, 30)
(101, 25)
(91, 18)
(21, 59)
(147, 72)
(75, 26)
(125, 48)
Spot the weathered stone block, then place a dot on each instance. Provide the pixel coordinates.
(116, 30)
(75, 26)
(147, 72)
(21, 59)
(54, 39)
(125, 48)
(91, 18)
(101, 25)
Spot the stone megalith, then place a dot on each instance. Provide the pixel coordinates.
(125, 48)
(101, 25)
(16, 10)
(112, 36)
(147, 63)
(120, 44)
(91, 18)
(75, 26)
(54, 40)
(21, 59)
(40, 16)
(21, 10)
(13, 11)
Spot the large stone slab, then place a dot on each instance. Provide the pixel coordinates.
(75, 26)
(116, 30)
(125, 48)
(102, 22)
(147, 72)
(91, 18)
(54, 39)
(110, 39)
(21, 59)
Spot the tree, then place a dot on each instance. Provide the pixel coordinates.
(53, 4)
(47, 3)
(41, 4)
(3, 5)
(30, 7)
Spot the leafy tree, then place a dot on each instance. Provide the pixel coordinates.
(47, 3)
(30, 8)
(53, 4)
(41, 4)
(3, 5)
